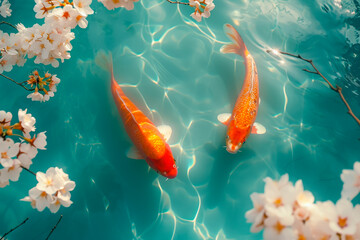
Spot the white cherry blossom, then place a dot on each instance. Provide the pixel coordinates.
(36, 96)
(9, 53)
(8, 150)
(29, 199)
(25, 160)
(5, 10)
(83, 6)
(256, 215)
(351, 179)
(52, 191)
(302, 230)
(62, 17)
(343, 218)
(303, 198)
(40, 141)
(54, 82)
(281, 193)
(202, 8)
(11, 173)
(44, 7)
(111, 4)
(41, 198)
(27, 121)
(57, 202)
(50, 182)
(5, 118)
(278, 224)
(47, 43)
(303, 206)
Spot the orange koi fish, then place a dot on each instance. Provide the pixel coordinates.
(241, 122)
(150, 141)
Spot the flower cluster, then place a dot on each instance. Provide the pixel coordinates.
(10, 52)
(286, 212)
(45, 42)
(52, 191)
(15, 156)
(5, 10)
(53, 187)
(48, 42)
(46, 85)
(112, 4)
(202, 8)
(64, 14)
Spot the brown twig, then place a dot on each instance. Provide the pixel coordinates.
(28, 170)
(3, 237)
(178, 2)
(53, 229)
(3, 22)
(20, 84)
(336, 88)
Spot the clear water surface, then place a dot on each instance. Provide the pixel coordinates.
(171, 67)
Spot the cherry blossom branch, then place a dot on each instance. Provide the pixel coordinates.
(336, 88)
(20, 84)
(28, 171)
(3, 237)
(3, 22)
(53, 229)
(178, 2)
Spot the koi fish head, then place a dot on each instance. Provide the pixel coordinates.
(172, 173)
(166, 165)
(236, 138)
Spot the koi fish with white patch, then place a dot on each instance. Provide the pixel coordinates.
(150, 141)
(241, 122)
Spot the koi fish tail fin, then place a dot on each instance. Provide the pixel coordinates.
(238, 45)
(104, 61)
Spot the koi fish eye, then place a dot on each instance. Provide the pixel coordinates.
(227, 137)
(174, 166)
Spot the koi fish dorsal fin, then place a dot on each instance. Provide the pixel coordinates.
(224, 118)
(257, 128)
(166, 131)
(104, 61)
(133, 153)
(238, 45)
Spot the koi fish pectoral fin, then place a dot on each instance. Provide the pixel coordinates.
(224, 118)
(166, 131)
(134, 153)
(257, 128)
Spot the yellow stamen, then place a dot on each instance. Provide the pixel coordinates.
(78, 18)
(279, 227)
(48, 182)
(278, 202)
(4, 155)
(342, 222)
(301, 237)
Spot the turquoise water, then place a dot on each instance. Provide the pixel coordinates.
(172, 68)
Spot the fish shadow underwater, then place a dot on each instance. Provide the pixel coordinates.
(224, 166)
